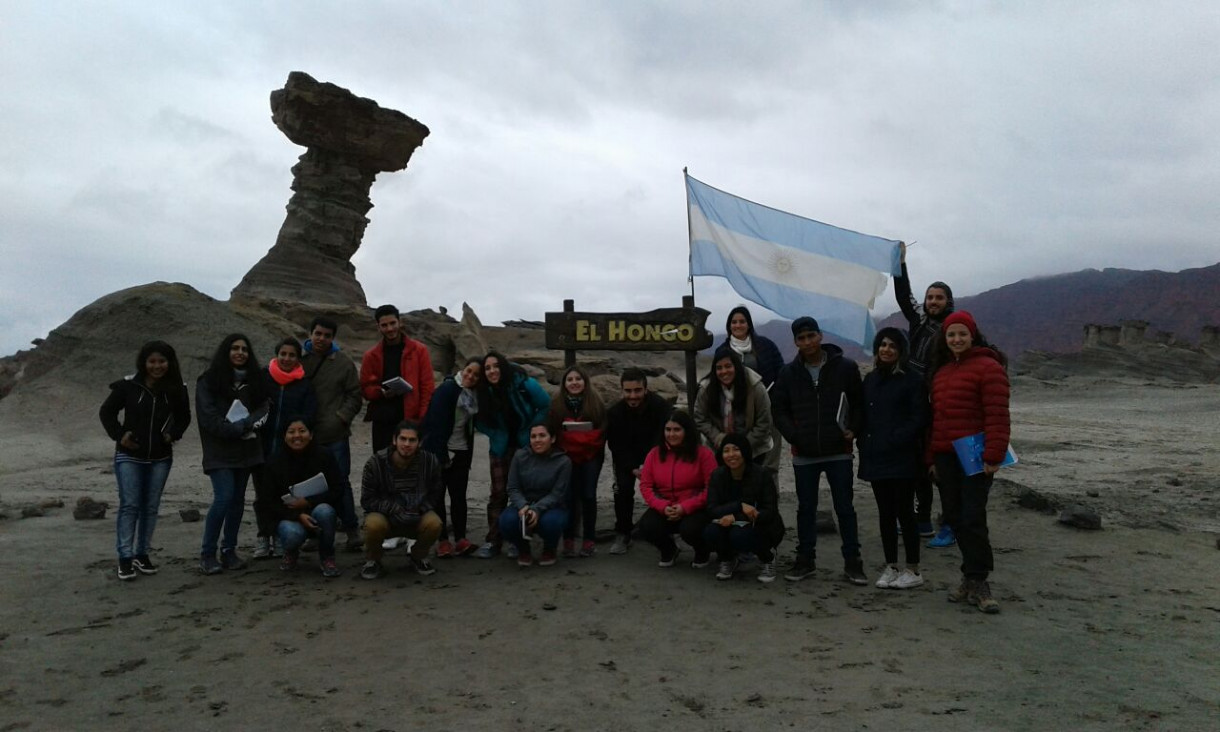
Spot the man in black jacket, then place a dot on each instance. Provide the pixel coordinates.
(816, 403)
(923, 327)
(634, 425)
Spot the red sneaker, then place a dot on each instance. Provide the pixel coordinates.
(569, 548)
(463, 547)
(444, 550)
(588, 548)
(525, 559)
(547, 559)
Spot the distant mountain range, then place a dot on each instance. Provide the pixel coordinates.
(1049, 313)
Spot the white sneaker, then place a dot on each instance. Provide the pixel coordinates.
(767, 573)
(393, 542)
(907, 580)
(726, 570)
(622, 542)
(262, 548)
(887, 578)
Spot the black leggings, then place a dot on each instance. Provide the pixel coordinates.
(455, 478)
(894, 507)
(657, 530)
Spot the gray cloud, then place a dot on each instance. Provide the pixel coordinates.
(1009, 140)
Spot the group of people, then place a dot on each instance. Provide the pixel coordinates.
(709, 475)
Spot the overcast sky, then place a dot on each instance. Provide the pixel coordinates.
(1008, 139)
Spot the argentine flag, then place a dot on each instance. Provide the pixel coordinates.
(790, 265)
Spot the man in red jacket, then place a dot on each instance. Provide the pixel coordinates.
(395, 377)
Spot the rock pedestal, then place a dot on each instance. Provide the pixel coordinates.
(349, 140)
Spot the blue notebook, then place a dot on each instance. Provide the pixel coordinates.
(970, 451)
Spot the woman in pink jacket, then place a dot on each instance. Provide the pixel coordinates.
(673, 483)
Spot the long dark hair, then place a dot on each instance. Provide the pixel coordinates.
(689, 449)
(220, 373)
(740, 386)
(591, 409)
(941, 355)
(899, 339)
(173, 374)
(493, 398)
(745, 312)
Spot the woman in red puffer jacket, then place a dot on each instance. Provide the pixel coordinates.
(969, 395)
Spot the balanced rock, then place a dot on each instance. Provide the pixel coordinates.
(87, 508)
(349, 140)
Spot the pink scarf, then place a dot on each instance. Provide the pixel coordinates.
(282, 377)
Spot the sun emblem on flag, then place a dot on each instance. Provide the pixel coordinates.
(782, 265)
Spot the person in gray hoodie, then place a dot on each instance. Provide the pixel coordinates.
(537, 495)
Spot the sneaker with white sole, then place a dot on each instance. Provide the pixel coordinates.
(262, 548)
(726, 570)
(126, 571)
(667, 560)
(486, 551)
(143, 564)
(907, 579)
(371, 570)
(422, 566)
(512, 551)
(886, 580)
(767, 572)
(622, 542)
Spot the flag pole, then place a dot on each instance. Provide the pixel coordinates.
(692, 377)
(689, 277)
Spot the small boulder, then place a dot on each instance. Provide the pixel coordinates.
(51, 503)
(87, 508)
(1035, 501)
(189, 515)
(825, 523)
(1080, 517)
(32, 512)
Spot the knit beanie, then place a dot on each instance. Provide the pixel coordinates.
(964, 318)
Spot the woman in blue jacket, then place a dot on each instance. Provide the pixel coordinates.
(156, 411)
(510, 402)
(894, 417)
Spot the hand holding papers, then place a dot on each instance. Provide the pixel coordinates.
(314, 486)
(397, 387)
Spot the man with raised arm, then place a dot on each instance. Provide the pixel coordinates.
(923, 327)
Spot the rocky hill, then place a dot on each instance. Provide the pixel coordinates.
(1050, 313)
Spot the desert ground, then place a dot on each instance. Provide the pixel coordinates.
(1109, 629)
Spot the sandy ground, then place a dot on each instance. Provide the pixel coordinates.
(1115, 629)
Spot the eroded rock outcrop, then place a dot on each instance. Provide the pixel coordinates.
(350, 140)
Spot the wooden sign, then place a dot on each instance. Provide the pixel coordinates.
(666, 329)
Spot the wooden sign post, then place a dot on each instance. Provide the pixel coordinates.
(666, 329)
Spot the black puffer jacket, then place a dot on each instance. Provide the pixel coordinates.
(148, 415)
(891, 433)
(805, 411)
(756, 488)
(229, 445)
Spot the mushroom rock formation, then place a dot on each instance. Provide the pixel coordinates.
(348, 141)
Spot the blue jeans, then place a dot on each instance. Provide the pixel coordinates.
(582, 499)
(550, 526)
(342, 453)
(734, 540)
(838, 475)
(228, 505)
(293, 534)
(140, 486)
